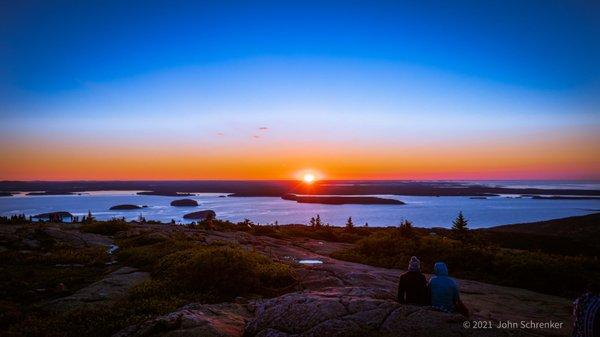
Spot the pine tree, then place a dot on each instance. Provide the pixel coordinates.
(459, 225)
(406, 229)
(313, 222)
(90, 218)
(318, 222)
(349, 224)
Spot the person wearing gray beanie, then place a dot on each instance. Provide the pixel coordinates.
(412, 287)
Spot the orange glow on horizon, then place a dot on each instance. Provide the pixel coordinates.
(550, 156)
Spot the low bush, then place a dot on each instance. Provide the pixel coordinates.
(548, 273)
(224, 271)
(110, 227)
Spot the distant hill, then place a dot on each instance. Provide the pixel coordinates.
(575, 227)
(577, 235)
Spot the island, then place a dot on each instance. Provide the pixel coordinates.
(125, 207)
(5, 194)
(338, 200)
(51, 193)
(53, 216)
(184, 203)
(200, 215)
(165, 193)
(563, 197)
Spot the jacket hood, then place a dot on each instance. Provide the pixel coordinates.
(440, 269)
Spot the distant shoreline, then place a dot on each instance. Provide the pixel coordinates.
(280, 188)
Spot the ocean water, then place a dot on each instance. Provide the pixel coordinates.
(422, 211)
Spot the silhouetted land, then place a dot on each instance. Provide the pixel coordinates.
(165, 193)
(279, 188)
(330, 200)
(559, 197)
(51, 192)
(125, 207)
(200, 215)
(184, 203)
(60, 214)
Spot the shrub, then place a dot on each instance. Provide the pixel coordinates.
(110, 227)
(537, 271)
(223, 271)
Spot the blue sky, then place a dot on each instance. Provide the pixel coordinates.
(362, 71)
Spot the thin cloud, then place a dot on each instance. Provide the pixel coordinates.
(263, 128)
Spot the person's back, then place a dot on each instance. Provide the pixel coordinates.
(587, 313)
(412, 287)
(443, 291)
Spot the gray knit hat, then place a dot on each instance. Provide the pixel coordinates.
(414, 264)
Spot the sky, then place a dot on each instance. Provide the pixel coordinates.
(105, 90)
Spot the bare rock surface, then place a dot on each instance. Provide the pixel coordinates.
(113, 286)
(486, 301)
(206, 320)
(353, 311)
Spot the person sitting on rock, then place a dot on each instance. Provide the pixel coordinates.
(412, 287)
(443, 291)
(587, 313)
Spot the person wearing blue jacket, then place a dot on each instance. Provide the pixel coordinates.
(443, 291)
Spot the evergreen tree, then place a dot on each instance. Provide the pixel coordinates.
(313, 222)
(349, 224)
(459, 227)
(318, 222)
(90, 217)
(406, 229)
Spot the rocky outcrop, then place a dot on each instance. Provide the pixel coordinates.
(124, 207)
(339, 311)
(114, 285)
(352, 311)
(207, 320)
(184, 203)
(200, 215)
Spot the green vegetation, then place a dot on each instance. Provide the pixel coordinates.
(110, 227)
(183, 270)
(548, 273)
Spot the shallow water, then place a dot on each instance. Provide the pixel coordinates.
(310, 262)
(422, 211)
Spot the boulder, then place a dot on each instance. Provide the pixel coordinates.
(200, 215)
(184, 203)
(124, 207)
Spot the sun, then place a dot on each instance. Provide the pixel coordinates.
(308, 178)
